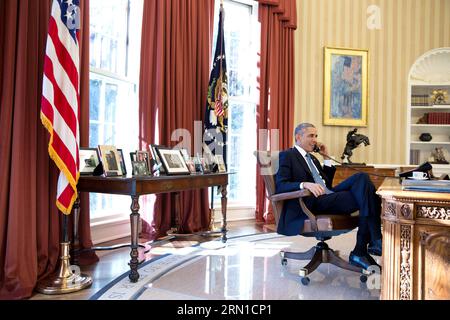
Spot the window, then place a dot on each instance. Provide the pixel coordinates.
(115, 35)
(241, 30)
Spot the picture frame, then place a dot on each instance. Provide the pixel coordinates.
(185, 154)
(198, 166)
(110, 160)
(133, 156)
(122, 162)
(144, 156)
(140, 168)
(155, 156)
(89, 160)
(345, 87)
(191, 166)
(221, 167)
(173, 161)
(206, 165)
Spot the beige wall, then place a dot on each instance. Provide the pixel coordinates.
(409, 28)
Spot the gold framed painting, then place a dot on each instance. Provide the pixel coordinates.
(345, 87)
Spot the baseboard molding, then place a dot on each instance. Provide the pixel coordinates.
(235, 214)
(108, 230)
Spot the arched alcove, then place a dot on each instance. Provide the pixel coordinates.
(429, 76)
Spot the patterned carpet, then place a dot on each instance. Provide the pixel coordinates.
(246, 267)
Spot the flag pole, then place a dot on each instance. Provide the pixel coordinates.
(67, 278)
(64, 25)
(212, 231)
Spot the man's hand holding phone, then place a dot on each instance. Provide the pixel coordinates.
(321, 149)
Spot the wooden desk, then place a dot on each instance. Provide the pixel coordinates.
(416, 243)
(343, 172)
(137, 186)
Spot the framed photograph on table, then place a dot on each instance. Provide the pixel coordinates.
(144, 156)
(155, 156)
(122, 162)
(110, 160)
(139, 168)
(220, 163)
(191, 166)
(89, 160)
(345, 87)
(173, 161)
(185, 154)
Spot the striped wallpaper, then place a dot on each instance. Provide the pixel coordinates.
(409, 28)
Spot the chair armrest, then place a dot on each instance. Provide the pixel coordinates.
(290, 195)
(299, 194)
(310, 215)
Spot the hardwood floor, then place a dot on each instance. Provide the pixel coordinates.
(113, 263)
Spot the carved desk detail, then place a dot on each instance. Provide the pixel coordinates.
(406, 210)
(405, 266)
(389, 210)
(442, 213)
(416, 244)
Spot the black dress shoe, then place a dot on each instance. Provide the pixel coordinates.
(364, 261)
(373, 263)
(375, 247)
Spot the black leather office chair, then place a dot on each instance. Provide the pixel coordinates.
(322, 227)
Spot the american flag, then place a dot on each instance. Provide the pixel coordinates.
(60, 97)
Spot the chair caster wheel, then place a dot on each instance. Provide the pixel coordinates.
(284, 262)
(305, 281)
(363, 278)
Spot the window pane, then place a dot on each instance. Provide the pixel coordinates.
(108, 134)
(93, 135)
(114, 86)
(237, 116)
(94, 98)
(111, 102)
(108, 35)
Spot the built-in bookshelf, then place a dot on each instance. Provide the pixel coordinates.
(428, 111)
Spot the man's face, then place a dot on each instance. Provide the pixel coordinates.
(307, 139)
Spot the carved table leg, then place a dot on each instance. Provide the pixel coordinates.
(176, 217)
(134, 220)
(224, 213)
(76, 240)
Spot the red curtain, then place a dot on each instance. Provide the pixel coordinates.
(29, 219)
(278, 20)
(175, 65)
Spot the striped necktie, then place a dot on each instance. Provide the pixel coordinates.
(316, 175)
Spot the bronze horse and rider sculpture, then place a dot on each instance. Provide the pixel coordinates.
(353, 141)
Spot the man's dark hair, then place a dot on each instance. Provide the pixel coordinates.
(301, 126)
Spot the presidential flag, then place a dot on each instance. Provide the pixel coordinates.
(216, 115)
(60, 103)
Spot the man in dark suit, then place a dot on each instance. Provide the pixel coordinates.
(299, 169)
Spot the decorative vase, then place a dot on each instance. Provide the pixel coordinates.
(425, 137)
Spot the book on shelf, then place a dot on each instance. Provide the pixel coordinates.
(426, 185)
(439, 118)
(414, 156)
(420, 100)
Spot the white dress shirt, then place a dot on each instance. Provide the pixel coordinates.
(302, 151)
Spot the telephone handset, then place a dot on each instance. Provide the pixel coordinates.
(316, 148)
